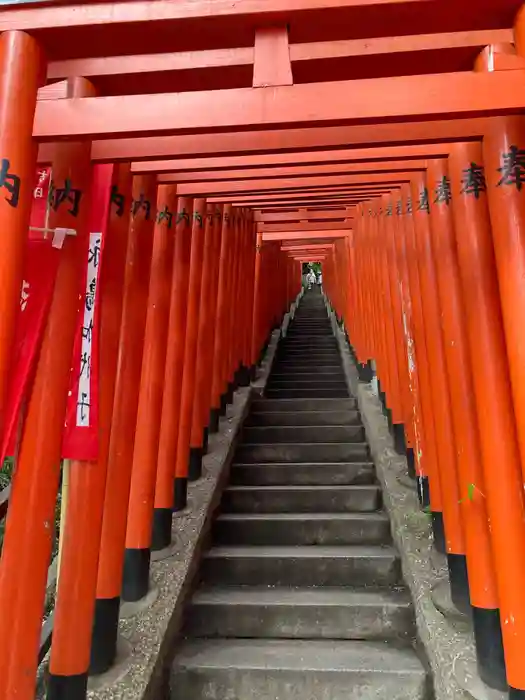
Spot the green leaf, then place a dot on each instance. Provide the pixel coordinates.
(470, 492)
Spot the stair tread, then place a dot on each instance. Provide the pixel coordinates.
(303, 444)
(320, 656)
(300, 487)
(379, 516)
(285, 596)
(303, 464)
(314, 551)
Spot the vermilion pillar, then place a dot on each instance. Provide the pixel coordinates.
(167, 493)
(402, 402)
(448, 419)
(207, 311)
(248, 277)
(122, 437)
(22, 71)
(81, 531)
(257, 303)
(144, 468)
(415, 433)
(219, 379)
(207, 405)
(503, 152)
(485, 357)
(447, 538)
(232, 358)
(190, 348)
(428, 495)
(28, 538)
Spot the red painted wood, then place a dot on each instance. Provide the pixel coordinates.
(375, 101)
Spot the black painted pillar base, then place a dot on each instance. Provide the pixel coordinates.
(105, 634)
(389, 418)
(195, 464)
(398, 433)
(489, 647)
(230, 392)
(423, 491)
(364, 372)
(253, 373)
(180, 493)
(215, 414)
(135, 580)
(161, 530)
(205, 440)
(438, 530)
(459, 589)
(224, 404)
(515, 694)
(236, 378)
(67, 687)
(244, 376)
(411, 462)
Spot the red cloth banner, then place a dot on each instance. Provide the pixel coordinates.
(81, 427)
(35, 297)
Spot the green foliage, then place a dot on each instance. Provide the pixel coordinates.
(6, 472)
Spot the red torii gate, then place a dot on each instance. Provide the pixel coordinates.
(270, 129)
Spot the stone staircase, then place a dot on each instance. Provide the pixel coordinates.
(301, 596)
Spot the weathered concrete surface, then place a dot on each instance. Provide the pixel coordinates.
(443, 643)
(150, 636)
(298, 670)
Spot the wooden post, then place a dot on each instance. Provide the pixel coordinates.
(483, 336)
(29, 528)
(445, 451)
(144, 468)
(219, 381)
(190, 346)
(503, 148)
(168, 492)
(428, 495)
(442, 265)
(122, 437)
(80, 532)
(22, 71)
(207, 311)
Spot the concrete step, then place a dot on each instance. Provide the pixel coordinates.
(292, 368)
(301, 613)
(312, 383)
(309, 373)
(260, 529)
(305, 346)
(301, 499)
(296, 670)
(289, 369)
(307, 343)
(302, 566)
(307, 327)
(305, 452)
(309, 332)
(307, 393)
(298, 405)
(286, 418)
(328, 356)
(305, 473)
(305, 358)
(296, 433)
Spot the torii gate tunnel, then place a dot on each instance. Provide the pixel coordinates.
(216, 146)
